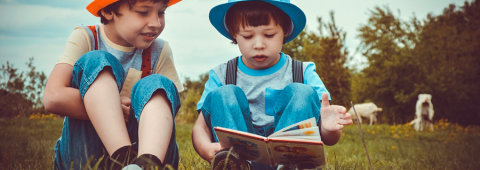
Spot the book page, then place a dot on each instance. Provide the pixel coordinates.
(309, 154)
(312, 133)
(250, 146)
(287, 131)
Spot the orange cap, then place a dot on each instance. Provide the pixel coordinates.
(97, 5)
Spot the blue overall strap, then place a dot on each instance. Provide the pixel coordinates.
(297, 71)
(231, 76)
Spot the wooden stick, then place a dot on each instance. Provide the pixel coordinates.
(361, 135)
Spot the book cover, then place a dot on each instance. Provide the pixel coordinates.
(298, 144)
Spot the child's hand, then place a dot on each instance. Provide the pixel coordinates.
(213, 148)
(125, 102)
(334, 117)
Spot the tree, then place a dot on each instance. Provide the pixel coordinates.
(389, 79)
(328, 52)
(35, 84)
(21, 91)
(439, 56)
(449, 58)
(189, 98)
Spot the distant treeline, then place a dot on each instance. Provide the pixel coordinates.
(439, 55)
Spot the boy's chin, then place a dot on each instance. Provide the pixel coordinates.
(144, 45)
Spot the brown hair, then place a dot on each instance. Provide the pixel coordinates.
(114, 7)
(255, 13)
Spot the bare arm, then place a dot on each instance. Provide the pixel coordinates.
(59, 97)
(201, 139)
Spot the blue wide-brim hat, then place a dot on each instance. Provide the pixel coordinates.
(217, 17)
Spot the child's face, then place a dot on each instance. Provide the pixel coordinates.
(137, 26)
(261, 45)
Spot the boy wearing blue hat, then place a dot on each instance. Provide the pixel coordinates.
(117, 113)
(263, 90)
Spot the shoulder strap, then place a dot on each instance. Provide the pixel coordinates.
(146, 54)
(94, 32)
(297, 71)
(231, 76)
(147, 61)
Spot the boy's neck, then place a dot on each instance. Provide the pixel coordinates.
(106, 33)
(263, 72)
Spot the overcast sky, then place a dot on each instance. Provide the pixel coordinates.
(39, 28)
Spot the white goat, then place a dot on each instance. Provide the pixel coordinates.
(423, 113)
(365, 110)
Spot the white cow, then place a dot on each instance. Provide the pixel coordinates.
(423, 113)
(365, 110)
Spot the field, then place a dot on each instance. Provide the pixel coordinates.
(27, 143)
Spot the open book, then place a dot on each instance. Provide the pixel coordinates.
(297, 144)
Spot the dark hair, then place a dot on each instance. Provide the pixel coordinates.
(114, 7)
(255, 13)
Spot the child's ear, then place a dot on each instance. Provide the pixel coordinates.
(107, 15)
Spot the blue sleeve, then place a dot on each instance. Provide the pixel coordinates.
(310, 77)
(212, 83)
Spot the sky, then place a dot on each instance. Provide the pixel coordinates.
(39, 28)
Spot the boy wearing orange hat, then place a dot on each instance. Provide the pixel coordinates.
(117, 113)
(263, 90)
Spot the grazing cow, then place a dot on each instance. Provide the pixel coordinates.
(423, 113)
(365, 110)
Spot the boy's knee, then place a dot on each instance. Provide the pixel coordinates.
(297, 89)
(153, 86)
(227, 95)
(153, 83)
(226, 91)
(94, 62)
(91, 65)
(97, 57)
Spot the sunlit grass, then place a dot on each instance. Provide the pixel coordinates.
(27, 143)
(449, 146)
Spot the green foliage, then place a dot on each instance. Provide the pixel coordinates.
(448, 55)
(35, 84)
(389, 79)
(21, 91)
(189, 98)
(439, 56)
(328, 52)
(295, 49)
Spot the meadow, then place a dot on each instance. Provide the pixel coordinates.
(27, 143)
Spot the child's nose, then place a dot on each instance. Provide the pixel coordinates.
(259, 43)
(155, 21)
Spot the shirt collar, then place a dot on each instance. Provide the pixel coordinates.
(263, 72)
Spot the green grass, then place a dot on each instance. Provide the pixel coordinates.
(189, 159)
(28, 144)
(400, 147)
